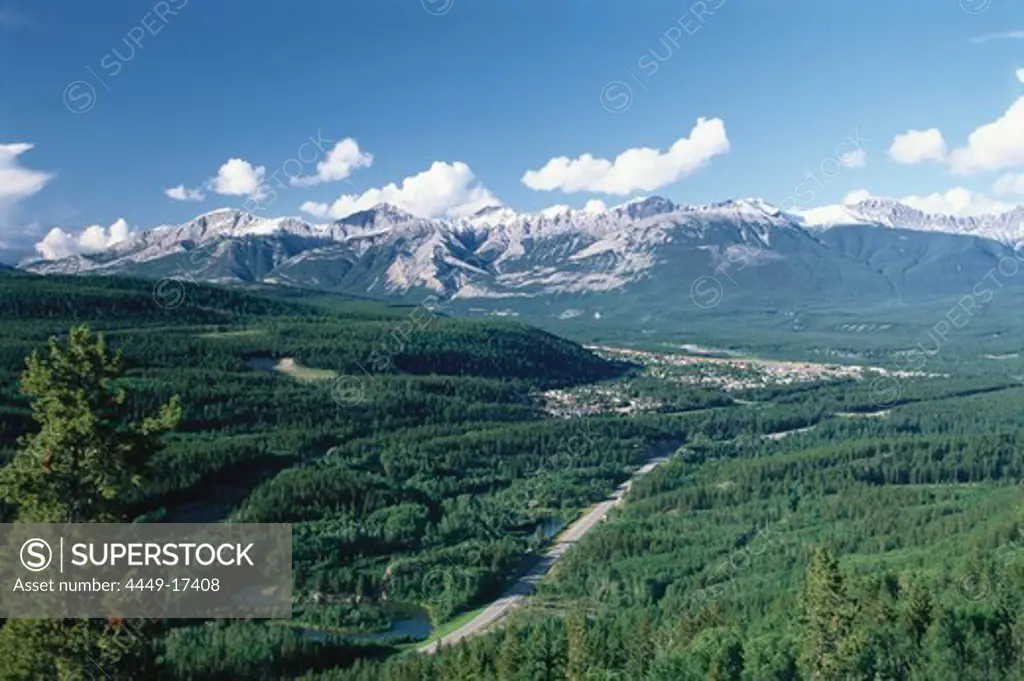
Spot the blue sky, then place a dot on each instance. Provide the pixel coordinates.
(468, 96)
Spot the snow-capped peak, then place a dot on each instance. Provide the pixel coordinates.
(383, 214)
(493, 215)
(554, 211)
(828, 216)
(620, 242)
(1006, 227)
(490, 210)
(744, 211)
(644, 207)
(757, 205)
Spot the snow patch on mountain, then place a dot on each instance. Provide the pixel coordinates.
(1007, 227)
(498, 252)
(829, 216)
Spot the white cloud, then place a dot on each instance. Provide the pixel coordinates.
(640, 169)
(1009, 35)
(444, 190)
(856, 196)
(993, 146)
(957, 201)
(238, 178)
(595, 206)
(916, 146)
(59, 244)
(1009, 184)
(338, 165)
(17, 182)
(97, 237)
(319, 210)
(183, 193)
(855, 159)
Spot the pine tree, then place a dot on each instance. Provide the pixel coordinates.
(579, 660)
(826, 618)
(86, 456)
(917, 611)
(544, 653)
(944, 645)
(641, 648)
(726, 660)
(510, 656)
(1003, 619)
(79, 467)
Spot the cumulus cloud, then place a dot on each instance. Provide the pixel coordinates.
(917, 146)
(238, 178)
(993, 146)
(183, 193)
(16, 181)
(957, 201)
(997, 145)
(640, 169)
(855, 159)
(320, 210)
(59, 244)
(595, 206)
(1009, 184)
(443, 190)
(338, 165)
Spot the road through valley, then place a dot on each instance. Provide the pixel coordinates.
(525, 585)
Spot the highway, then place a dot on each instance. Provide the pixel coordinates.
(525, 585)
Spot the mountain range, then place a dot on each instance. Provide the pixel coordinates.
(649, 253)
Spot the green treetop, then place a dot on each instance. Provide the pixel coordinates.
(87, 454)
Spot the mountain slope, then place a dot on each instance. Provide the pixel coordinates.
(923, 263)
(646, 253)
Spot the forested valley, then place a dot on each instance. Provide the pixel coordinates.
(419, 471)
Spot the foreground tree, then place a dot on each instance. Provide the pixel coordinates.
(87, 456)
(80, 467)
(827, 619)
(579, 661)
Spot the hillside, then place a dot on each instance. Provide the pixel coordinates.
(282, 425)
(867, 546)
(417, 489)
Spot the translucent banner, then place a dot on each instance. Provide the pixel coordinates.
(192, 570)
